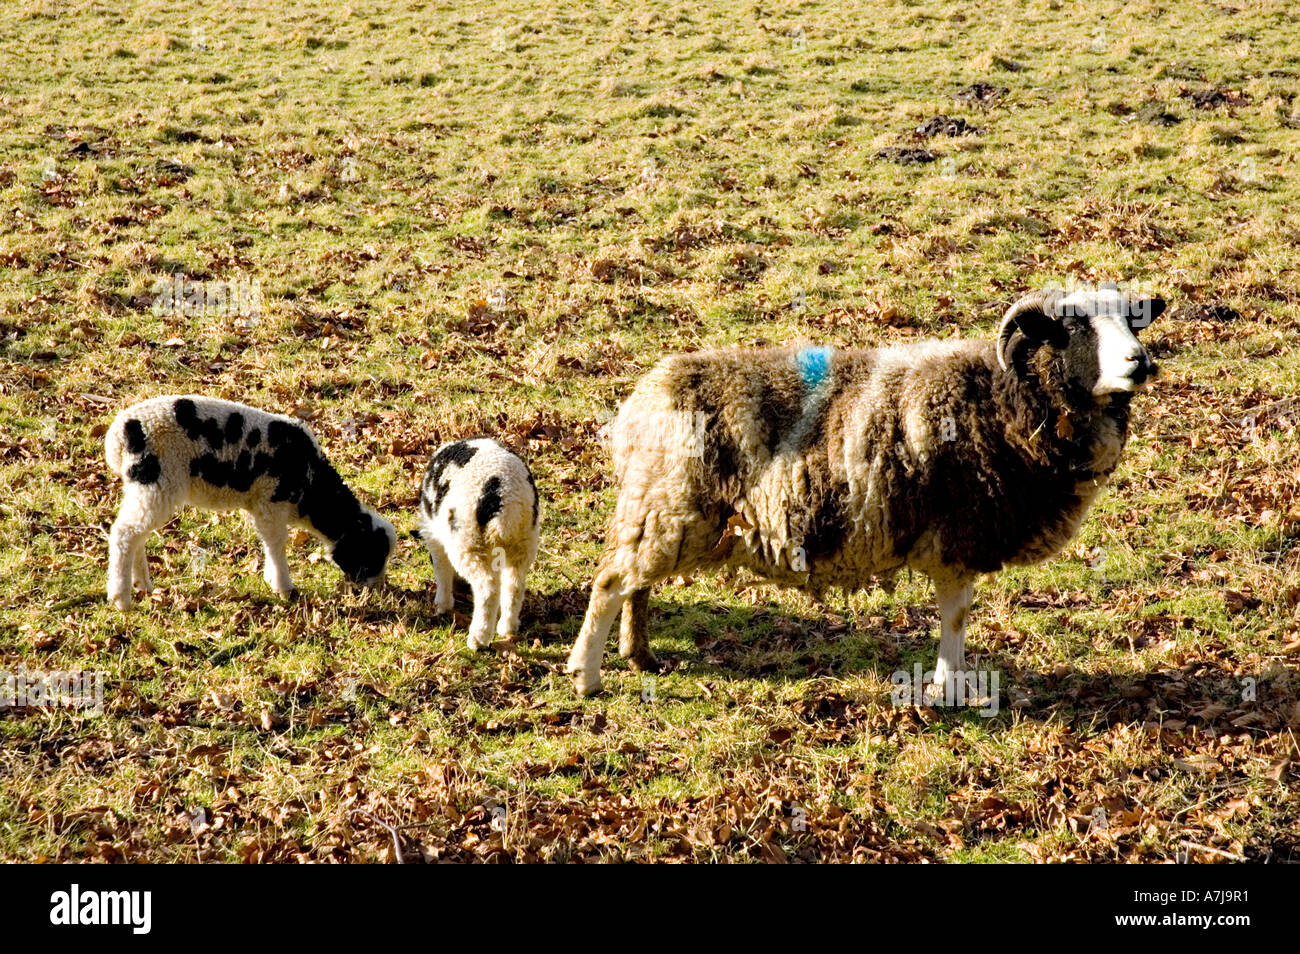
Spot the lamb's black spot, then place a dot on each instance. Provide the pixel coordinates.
(451, 519)
(489, 504)
(187, 416)
(459, 454)
(537, 498)
(234, 429)
(146, 470)
(254, 438)
(135, 439)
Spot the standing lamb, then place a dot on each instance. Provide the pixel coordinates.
(218, 455)
(819, 468)
(479, 514)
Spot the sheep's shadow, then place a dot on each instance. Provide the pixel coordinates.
(704, 640)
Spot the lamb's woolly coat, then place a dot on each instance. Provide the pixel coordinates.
(479, 516)
(219, 455)
(822, 468)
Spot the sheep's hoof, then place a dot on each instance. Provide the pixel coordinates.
(123, 603)
(585, 684)
(478, 645)
(643, 660)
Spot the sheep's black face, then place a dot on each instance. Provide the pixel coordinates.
(362, 552)
(1096, 332)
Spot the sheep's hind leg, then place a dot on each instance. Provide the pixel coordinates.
(589, 650)
(954, 600)
(662, 548)
(634, 632)
(512, 580)
(143, 582)
(137, 518)
(487, 606)
(443, 577)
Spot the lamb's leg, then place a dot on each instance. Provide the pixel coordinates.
(589, 650)
(443, 577)
(274, 535)
(634, 632)
(137, 518)
(954, 599)
(141, 572)
(487, 606)
(512, 582)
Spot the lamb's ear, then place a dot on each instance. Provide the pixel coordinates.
(1143, 311)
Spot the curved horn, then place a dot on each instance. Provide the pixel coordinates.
(1042, 301)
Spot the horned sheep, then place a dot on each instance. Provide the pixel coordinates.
(818, 467)
(478, 516)
(219, 455)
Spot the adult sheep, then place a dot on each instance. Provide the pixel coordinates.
(817, 467)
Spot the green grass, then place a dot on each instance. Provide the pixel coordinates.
(492, 222)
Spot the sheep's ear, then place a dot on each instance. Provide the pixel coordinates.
(1037, 325)
(1144, 311)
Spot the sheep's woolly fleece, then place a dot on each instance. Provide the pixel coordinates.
(822, 468)
(479, 515)
(219, 455)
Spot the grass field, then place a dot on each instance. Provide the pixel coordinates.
(462, 223)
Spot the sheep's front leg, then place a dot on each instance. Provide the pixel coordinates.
(274, 535)
(954, 599)
(589, 650)
(634, 632)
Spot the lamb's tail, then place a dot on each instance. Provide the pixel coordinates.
(509, 522)
(113, 446)
(127, 451)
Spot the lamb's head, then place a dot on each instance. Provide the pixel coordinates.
(363, 549)
(1094, 332)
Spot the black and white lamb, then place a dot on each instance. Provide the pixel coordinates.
(479, 515)
(218, 455)
(825, 468)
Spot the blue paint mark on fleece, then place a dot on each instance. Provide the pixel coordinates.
(814, 364)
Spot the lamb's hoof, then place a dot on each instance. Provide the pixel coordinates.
(643, 661)
(586, 684)
(123, 603)
(478, 645)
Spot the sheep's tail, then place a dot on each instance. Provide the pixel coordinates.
(113, 446)
(513, 517)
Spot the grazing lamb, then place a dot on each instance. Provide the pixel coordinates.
(819, 468)
(188, 449)
(479, 514)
